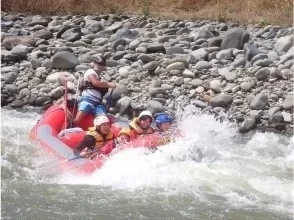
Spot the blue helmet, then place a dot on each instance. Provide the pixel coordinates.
(162, 118)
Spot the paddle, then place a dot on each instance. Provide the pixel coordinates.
(83, 155)
(66, 160)
(75, 103)
(65, 102)
(109, 100)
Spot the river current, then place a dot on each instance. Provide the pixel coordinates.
(234, 177)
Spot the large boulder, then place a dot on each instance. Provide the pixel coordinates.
(64, 60)
(284, 44)
(11, 41)
(235, 38)
(124, 104)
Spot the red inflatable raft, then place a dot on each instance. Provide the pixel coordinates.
(49, 133)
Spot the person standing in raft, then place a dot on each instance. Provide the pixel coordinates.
(99, 137)
(138, 126)
(92, 92)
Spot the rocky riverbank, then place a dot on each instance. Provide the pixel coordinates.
(245, 71)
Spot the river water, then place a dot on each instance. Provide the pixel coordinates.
(235, 177)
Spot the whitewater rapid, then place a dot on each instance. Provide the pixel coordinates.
(210, 163)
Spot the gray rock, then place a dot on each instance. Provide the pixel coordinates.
(118, 42)
(263, 63)
(41, 100)
(230, 75)
(257, 57)
(277, 118)
(287, 117)
(215, 41)
(35, 63)
(17, 104)
(43, 34)
(10, 89)
(155, 48)
(196, 82)
(11, 41)
(38, 21)
(221, 101)
(72, 34)
(56, 93)
(288, 102)
(262, 74)
(273, 110)
(141, 50)
(20, 50)
(151, 66)
(284, 44)
(24, 93)
(247, 125)
(155, 106)
(175, 66)
(116, 26)
(100, 41)
(174, 50)
(235, 38)
(246, 86)
(203, 65)
(224, 54)
(125, 33)
(199, 104)
(189, 74)
(154, 91)
(93, 26)
(250, 50)
(238, 62)
(64, 60)
(178, 81)
(134, 44)
(259, 102)
(124, 104)
(10, 77)
(7, 69)
(145, 58)
(200, 54)
(215, 85)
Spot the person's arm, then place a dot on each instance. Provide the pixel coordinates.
(92, 78)
(88, 141)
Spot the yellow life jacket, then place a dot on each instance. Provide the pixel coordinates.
(100, 140)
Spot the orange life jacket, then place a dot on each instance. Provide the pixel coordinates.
(135, 130)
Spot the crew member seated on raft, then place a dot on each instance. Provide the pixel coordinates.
(163, 122)
(138, 126)
(98, 137)
(93, 90)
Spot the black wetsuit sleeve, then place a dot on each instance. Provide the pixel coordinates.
(88, 141)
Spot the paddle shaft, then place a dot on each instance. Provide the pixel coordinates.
(65, 103)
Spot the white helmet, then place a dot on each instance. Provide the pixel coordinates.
(146, 113)
(100, 120)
